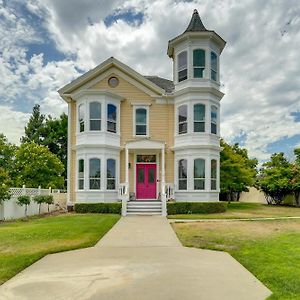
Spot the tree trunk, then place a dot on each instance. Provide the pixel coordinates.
(296, 197)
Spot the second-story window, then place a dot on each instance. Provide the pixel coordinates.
(213, 66)
(81, 116)
(199, 63)
(141, 121)
(182, 119)
(182, 66)
(199, 118)
(214, 119)
(111, 118)
(95, 116)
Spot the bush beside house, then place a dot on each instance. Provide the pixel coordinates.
(177, 208)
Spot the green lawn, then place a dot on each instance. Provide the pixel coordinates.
(24, 242)
(268, 249)
(237, 210)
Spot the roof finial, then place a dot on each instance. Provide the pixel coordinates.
(195, 11)
(196, 23)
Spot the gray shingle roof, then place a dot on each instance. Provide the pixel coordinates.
(196, 23)
(163, 83)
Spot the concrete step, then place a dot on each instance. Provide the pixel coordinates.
(143, 213)
(144, 206)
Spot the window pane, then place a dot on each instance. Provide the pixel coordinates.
(183, 128)
(141, 175)
(182, 113)
(81, 184)
(141, 130)
(95, 110)
(213, 61)
(213, 128)
(182, 60)
(94, 184)
(95, 168)
(198, 72)
(111, 112)
(81, 117)
(111, 126)
(199, 127)
(95, 124)
(111, 184)
(111, 168)
(151, 175)
(182, 184)
(182, 75)
(81, 165)
(199, 184)
(141, 116)
(146, 158)
(199, 112)
(199, 168)
(213, 75)
(214, 119)
(213, 169)
(199, 58)
(213, 184)
(182, 169)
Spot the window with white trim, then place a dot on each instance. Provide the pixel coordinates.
(214, 119)
(199, 63)
(182, 119)
(141, 121)
(182, 174)
(199, 174)
(199, 118)
(80, 174)
(182, 66)
(111, 174)
(95, 116)
(111, 118)
(213, 66)
(81, 116)
(213, 174)
(95, 174)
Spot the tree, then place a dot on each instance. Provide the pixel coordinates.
(237, 171)
(37, 166)
(295, 176)
(7, 155)
(275, 178)
(4, 186)
(24, 200)
(35, 127)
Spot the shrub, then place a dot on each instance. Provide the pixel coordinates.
(175, 208)
(100, 208)
(47, 199)
(24, 200)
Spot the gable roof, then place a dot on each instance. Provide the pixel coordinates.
(110, 62)
(196, 23)
(166, 84)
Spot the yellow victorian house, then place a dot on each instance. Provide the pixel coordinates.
(144, 140)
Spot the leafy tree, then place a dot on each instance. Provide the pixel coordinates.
(7, 155)
(39, 199)
(4, 186)
(237, 171)
(37, 166)
(295, 178)
(275, 178)
(35, 127)
(24, 200)
(49, 200)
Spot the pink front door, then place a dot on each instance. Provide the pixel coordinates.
(146, 181)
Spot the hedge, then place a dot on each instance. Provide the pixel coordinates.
(100, 208)
(177, 208)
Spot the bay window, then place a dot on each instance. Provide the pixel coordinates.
(214, 119)
(182, 174)
(80, 174)
(199, 63)
(182, 119)
(182, 66)
(81, 116)
(95, 116)
(111, 118)
(213, 174)
(213, 66)
(111, 174)
(95, 174)
(199, 174)
(199, 118)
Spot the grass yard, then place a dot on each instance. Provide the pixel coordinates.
(24, 242)
(268, 249)
(237, 210)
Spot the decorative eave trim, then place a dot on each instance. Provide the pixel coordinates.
(211, 90)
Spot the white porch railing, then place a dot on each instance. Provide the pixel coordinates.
(169, 188)
(123, 195)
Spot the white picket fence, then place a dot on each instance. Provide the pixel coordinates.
(11, 210)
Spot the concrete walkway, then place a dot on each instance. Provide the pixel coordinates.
(140, 258)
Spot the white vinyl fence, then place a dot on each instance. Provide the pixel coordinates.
(11, 210)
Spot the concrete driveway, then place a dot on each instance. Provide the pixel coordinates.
(139, 258)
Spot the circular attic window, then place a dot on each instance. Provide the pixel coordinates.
(113, 82)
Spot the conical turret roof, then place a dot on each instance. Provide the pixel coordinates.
(195, 23)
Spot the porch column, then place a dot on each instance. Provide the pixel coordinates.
(163, 184)
(126, 166)
(125, 196)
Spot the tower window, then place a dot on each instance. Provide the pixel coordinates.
(214, 119)
(213, 66)
(199, 63)
(199, 174)
(182, 66)
(199, 118)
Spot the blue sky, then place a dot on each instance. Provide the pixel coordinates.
(47, 43)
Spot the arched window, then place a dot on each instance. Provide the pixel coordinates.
(199, 118)
(111, 174)
(182, 119)
(182, 174)
(182, 66)
(141, 121)
(81, 117)
(199, 63)
(80, 174)
(95, 174)
(213, 66)
(95, 116)
(199, 174)
(111, 118)
(214, 119)
(213, 174)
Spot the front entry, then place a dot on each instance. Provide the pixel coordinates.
(146, 181)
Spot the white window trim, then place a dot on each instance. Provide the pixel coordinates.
(187, 120)
(117, 119)
(116, 174)
(187, 66)
(199, 67)
(178, 178)
(88, 175)
(101, 116)
(146, 107)
(200, 178)
(194, 120)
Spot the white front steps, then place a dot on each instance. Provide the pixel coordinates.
(144, 207)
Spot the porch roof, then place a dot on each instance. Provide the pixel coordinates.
(145, 144)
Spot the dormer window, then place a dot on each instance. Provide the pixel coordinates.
(199, 63)
(213, 66)
(182, 66)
